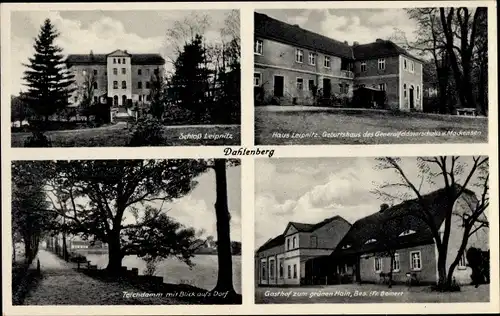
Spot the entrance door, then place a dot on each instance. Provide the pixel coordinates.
(412, 101)
(115, 100)
(327, 88)
(279, 86)
(124, 100)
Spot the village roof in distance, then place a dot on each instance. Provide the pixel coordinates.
(100, 59)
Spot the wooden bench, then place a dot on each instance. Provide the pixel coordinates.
(467, 112)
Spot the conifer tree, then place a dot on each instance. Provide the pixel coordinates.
(48, 80)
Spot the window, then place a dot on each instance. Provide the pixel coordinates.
(326, 62)
(363, 66)
(139, 85)
(300, 86)
(462, 264)
(294, 243)
(370, 241)
(281, 261)
(346, 246)
(418, 92)
(124, 84)
(115, 84)
(147, 72)
(114, 60)
(381, 64)
(310, 85)
(299, 56)
(148, 98)
(95, 72)
(288, 244)
(263, 270)
(271, 268)
(415, 261)
(115, 71)
(119, 61)
(140, 97)
(294, 271)
(257, 77)
(147, 84)
(312, 59)
(95, 99)
(377, 264)
(405, 91)
(124, 71)
(382, 86)
(123, 61)
(314, 242)
(412, 66)
(344, 88)
(407, 232)
(396, 263)
(84, 73)
(405, 64)
(289, 271)
(258, 47)
(95, 85)
(139, 72)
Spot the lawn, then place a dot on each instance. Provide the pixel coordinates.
(119, 135)
(368, 293)
(357, 126)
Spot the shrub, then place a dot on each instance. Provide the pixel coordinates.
(37, 139)
(151, 264)
(147, 132)
(77, 258)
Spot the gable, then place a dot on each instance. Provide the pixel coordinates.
(119, 53)
(290, 229)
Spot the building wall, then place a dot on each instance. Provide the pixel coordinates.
(263, 257)
(147, 71)
(411, 79)
(330, 235)
(427, 273)
(81, 75)
(391, 67)
(278, 59)
(391, 87)
(119, 77)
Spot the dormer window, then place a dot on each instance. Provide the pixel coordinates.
(346, 246)
(407, 232)
(370, 241)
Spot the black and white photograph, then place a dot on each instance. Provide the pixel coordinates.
(372, 230)
(125, 78)
(371, 76)
(126, 232)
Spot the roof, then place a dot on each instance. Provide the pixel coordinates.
(267, 27)
(100, 59)
(390, 223)
(307, 228)
(273, 242)
(379, 48)
(270, 28)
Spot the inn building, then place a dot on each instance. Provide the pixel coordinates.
(292, 64)
(121, 77)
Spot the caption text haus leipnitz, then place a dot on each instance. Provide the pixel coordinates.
(119, 78)
(290, 63)
(334, 251)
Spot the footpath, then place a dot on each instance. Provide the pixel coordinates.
(61, 284)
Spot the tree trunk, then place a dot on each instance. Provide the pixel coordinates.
(114, 254)
(225, 265)
(442, 269)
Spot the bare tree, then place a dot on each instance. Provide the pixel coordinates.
(457, 177)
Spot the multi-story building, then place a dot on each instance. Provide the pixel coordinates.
(118, 76)
(292, 64)
(281, 260)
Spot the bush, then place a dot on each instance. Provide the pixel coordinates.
(479, 262)
(147, 132)
(37, 139)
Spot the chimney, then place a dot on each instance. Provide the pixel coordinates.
(383, 207)
(355, 43)
(346, 42)
(379, 40)
(125, 51)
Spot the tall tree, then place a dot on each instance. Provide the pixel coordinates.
(157, 94)
(46, 76)
(87, 93)
(457, 178)
(106, 198)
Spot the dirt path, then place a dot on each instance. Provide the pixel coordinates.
(62, 285)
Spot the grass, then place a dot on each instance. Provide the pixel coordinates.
(317, 127)
(119, 135)
(369, 293)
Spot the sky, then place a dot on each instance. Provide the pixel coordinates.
(361, 25)
(308, 190)
(103, 32)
